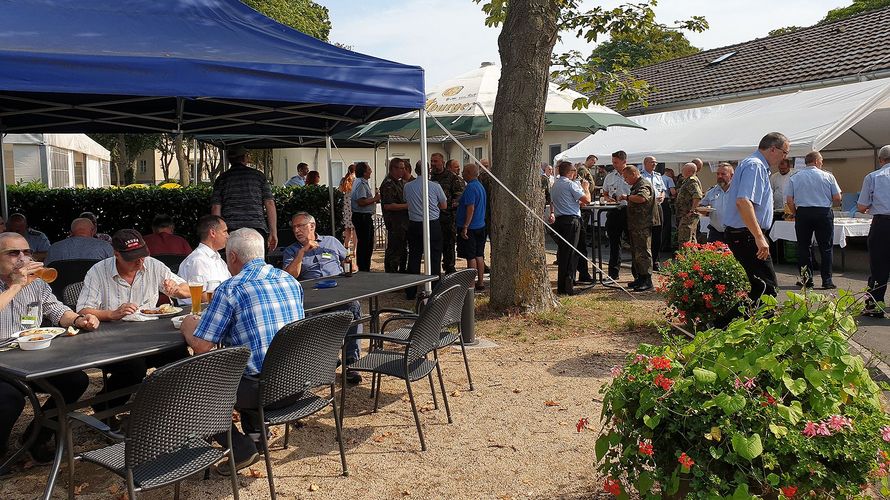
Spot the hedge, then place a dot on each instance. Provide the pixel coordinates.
(52, 210)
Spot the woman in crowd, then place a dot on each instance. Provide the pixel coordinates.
(346, 189)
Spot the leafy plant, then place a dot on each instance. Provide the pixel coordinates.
(703, 283)
(773, 406)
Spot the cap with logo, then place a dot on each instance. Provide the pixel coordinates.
(129, 243)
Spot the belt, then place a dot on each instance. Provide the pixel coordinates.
(881, 216)
(572, 216)
(741, 230)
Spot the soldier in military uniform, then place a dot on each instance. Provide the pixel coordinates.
(453, 186)
(395, 217)
(640, 217)
(688, 196)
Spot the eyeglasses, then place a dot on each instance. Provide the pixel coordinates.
(16, 252)
(302, 225)
(785, 151)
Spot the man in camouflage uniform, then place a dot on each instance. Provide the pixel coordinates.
(453, 186)
(640, 217)
(395, 217)
(688, 196)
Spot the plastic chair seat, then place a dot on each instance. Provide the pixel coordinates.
(447, 337)
(392, 363)
(196, 456)
(305, 406)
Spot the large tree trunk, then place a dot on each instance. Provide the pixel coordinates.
(123, 157)
(182, 160)
(518, 271)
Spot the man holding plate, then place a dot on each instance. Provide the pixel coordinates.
(20, 293)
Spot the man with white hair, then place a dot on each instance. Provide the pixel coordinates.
(689, 195)
(874, 199)
(80, 244)
(246, 310)
(714, 198)
(657, 183)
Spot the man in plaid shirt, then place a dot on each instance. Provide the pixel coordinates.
(246, 310)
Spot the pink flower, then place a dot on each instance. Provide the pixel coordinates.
(885, 433)
(837, 422)
(823, 429)
(737, 384)
(685, 461)
(720, 288)
(646, 448)
(810, 429)
(640, 358)
(616, 371)
(789, 491)
(661, 363)
(749, 383)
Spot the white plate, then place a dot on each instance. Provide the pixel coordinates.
(173, 312)
(50, 331)
(177, 321)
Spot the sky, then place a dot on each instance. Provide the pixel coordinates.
(449, 37)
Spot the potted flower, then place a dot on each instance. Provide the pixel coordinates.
(773, 406)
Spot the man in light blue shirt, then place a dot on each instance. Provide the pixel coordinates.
(810, 194)
(874, 199)
(364, 204)
(300, 178)
(714, 198)
(566, 197)
(749, 220)
(437, 202)
(660, 191)
(80, 244)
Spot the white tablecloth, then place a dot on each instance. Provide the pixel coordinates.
(844, 227)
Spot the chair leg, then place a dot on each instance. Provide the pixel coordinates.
(265, 442)
(339, 437)
(463, 350)
(286, 434)
(342, 398)
(176, 491)
(416, 416)
(433, 391)
(444, 395)
(234, 475)
(377, 396)
(131, 486)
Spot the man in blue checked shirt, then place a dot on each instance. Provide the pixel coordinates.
(246, 310)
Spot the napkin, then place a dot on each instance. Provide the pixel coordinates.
(138, 317)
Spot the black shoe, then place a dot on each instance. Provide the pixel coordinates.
(585, 279)
(828, 286)
(353, 377)
(809, 284)
(635, 283)
(224, 470)
(644, 287)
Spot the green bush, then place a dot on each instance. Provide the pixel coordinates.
(52, 210)
(773, 406)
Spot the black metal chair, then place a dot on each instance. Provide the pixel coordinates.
(70, 271)
(71, 294)
(412, 363)
(176, 410)
(451, 323)
(171, 260)
(302, 356)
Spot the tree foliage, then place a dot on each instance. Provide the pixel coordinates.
(302, 15)
(631, 51)
(785, 30)
(125, 148)
(858, 7)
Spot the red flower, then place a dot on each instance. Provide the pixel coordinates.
(683, 275)
(646, 448)
(708, 277)
(612, 486)
(769, 400)
(720, 288)
(663, 382)
(696, 267)
(582, 423)
(661, 363)
(685, 461)
(685, 298)
(688, 283)
(789, 491)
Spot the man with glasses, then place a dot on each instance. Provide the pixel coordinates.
(20, 293)
(750, 217)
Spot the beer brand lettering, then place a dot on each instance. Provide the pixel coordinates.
(433, 106)
(450, 91)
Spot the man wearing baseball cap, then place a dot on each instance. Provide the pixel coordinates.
(118, 287)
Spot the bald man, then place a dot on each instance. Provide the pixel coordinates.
(80, 244)
(687, 199)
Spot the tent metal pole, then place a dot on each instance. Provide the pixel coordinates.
(327, 144)
(387, 154)
(425, 190)
(4, 202)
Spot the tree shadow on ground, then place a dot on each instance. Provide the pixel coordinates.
(596, 365)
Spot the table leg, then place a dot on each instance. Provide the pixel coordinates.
(61, 437)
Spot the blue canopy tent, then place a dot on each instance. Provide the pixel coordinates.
(184, 66)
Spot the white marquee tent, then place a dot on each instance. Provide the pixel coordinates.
(52, 159)
(851, 117)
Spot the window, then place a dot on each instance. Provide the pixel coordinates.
(571, 145)
(143, 166)
(477, 152)
(61, 167)
(337, 171)
(554, 149)
(721, 58)
(105, 167)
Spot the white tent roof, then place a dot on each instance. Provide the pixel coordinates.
(844, 117)
(73, 142)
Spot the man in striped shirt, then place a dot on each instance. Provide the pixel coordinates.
(239, 196)
(246, 310)
(20, 294)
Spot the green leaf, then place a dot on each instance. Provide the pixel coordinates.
(644, 482)
(748, 448)
(674, 483)
(778, 430)
(651, 422)
(741, 493)
(730, 404)
(792, 413)
(815, 377)
(795, 386)
(614, 438)
(601, 447)
(772, 479)
(704, 377)
(715, 452)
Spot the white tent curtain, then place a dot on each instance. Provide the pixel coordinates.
(851, 116)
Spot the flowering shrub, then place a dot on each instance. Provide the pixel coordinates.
(703, 282)
(773, 406)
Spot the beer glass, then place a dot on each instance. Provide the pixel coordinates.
(209, 289)
(196, 289)
(47, 274)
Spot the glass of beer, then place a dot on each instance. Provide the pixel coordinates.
(208, 290)
(196, 289)
(47, 274)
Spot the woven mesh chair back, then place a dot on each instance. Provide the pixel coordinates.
(464, 279)
(182, 401)
(425, 332)
(70, 271)
(71, 294)
(303, 355)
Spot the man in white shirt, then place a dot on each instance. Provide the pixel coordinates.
(778, 181)
(205, 261)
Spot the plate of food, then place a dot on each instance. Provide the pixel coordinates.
(704, 210)
(50, 332)
(164, 311)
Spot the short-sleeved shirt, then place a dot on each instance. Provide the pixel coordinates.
(714, 198)
(614, 186)
(641, 215)
(474, 194)
(875, 192)
(38, 294)
(241, 192)
(249, 309)
(668, 185)
(361, 189)
(37, 240)
(103, 287)
(812, 187)
(320, 262)
(656, 181)
(564, 197)
(414, 198)
(689, 191)
(750, 182)
(206, 263)
(297, 180)
(79, 247)
(167, 244)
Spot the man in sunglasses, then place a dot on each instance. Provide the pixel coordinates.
(20, 295)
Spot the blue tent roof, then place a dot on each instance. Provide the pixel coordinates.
(200, 66)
